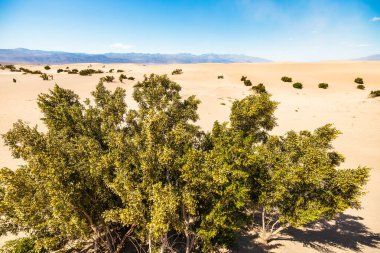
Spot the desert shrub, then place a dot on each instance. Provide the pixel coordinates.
(99, 71)
(359, 80)
(47, 67)
(111, 70)
(120, 71)
(374, 93)
(14, 80)
(220, 77)
(67, 67)
(21, 245)
(108, 79)
(260, 88)
(10, 67)
(247, 83)
(131, 78)
(87, 72)
(73, 71)
(177, 72)
(323, 85)
(360, 87)
(44, 76)
(286, 79)
(243, 78)
(297, 85)
(35, 72)
(59, 70)
(122, 77)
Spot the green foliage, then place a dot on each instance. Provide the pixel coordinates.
(131, 78)
(44, 76)
(297, 85)
(101, 174)
(120, 70)
(177, 72)
(122, 77)
(25, 70)
(59, 70)
(22, 245)
(323, 85)
(221, 77)
(247, 83)
(359, 80)
(108, 79)
(88, 72)
(243, 78)
(360, 87)
(260, 88)
(286, 79)
(374, 93)
(47, 67)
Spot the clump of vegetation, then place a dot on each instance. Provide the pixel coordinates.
(374, 93)
(260, 88)
(359, 80)
(147, 176)
(88, 72)
(247, 83)
(47, 67)
(59, 70)
(286, 79)
(21, 245)
(243, 78)
(11, 67)
(111, 70)
(73, 71)
(14, 80)
(120, 71)
(108, 79)
(122, 77)
(221, 77)
(297, 85)
(131, 78)
(46, 77)
(35, 72)
(177, 72)
(323, 85)
(360, 87)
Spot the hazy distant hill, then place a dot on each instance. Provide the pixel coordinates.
(375, 57)
(22, 55)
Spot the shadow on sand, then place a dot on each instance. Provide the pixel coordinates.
(347, 232)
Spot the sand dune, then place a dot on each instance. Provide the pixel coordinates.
(349, 109)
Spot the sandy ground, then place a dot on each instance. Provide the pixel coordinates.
(349, 109)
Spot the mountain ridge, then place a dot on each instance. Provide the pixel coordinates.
(23, 55)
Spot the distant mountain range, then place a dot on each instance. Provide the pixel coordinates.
(22, 55)
(375, 57)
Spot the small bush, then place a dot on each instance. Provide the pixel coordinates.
(297, 85)
(21, 245)
(87, 72)
(122, 77)
(177, 72)
(67, 67)
(108, 79)
(243, 78)
(111, 70)
(99, 71)
(286, 79)
(47, 67)
(44, 77)
(59, 70)
(11, 67)
(35, 72)
(360, 87)
(374, 93)
(120, 71)
(260, 88)
(247, 83)
(131, 78)
(359, 80)
(14, 80)
(73, 71)
(220, 77)
(323, 85)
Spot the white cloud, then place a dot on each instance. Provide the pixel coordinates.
(362, 45)
(121, 46)
(375, 19)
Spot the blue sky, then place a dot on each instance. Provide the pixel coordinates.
(280, 30)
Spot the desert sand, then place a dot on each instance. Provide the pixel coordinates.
(348, 108)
